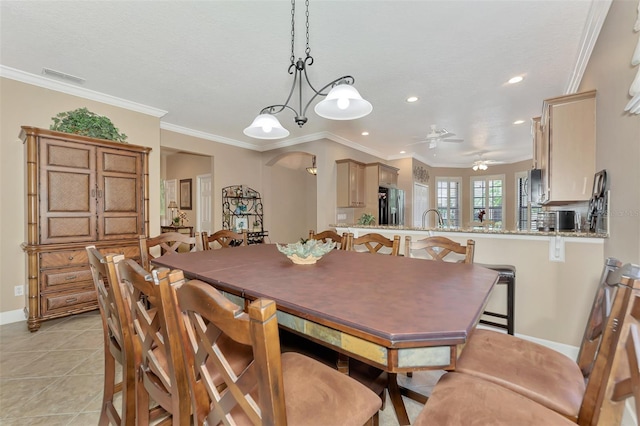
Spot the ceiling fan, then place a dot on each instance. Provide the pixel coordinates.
(484, 164)
(438, 135)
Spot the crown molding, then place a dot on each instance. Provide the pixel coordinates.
(207, 136)
(595, 19)
(71, 89)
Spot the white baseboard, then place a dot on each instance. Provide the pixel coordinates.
(12, 316)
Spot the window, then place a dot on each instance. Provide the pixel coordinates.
(448, 200)
(526, 213)
(487, 194)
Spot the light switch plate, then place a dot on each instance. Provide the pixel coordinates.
(556, 249)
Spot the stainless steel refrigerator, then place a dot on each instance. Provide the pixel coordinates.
(390, 206)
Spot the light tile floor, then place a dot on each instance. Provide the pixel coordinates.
(54, 376)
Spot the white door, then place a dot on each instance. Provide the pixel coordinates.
(170, 194)
(205, 201)
(420, 202)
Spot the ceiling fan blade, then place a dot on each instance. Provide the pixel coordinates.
(418, 143)
(453, 140)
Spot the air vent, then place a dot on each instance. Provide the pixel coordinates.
(63, 76)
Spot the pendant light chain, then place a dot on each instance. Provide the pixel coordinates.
(308, 49)
(293, 31)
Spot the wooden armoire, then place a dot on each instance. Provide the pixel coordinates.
(80, 191)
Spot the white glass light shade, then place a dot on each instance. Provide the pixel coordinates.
(266, 126)
(343, 102)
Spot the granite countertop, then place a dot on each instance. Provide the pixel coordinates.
(478, 230)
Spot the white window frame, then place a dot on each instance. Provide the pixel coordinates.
(445, 211)
(486, 179)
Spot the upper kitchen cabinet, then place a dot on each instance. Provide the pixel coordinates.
(387, 175)
(536, 134)
(350, 183)
(567, 147)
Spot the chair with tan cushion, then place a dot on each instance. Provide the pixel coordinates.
(275, 389)
(540, 373)
(460, 398)
(162, 376)
(224, 239)
(166, 242)
(439, 248)
(374, 243)
(118, 343)
(341, 240)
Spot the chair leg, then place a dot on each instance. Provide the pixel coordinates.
(108, 389)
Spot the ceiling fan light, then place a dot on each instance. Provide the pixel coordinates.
(266, 126)
(475, 167)
(343, 102)
(483, 166)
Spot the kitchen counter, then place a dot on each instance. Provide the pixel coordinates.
(476, 230)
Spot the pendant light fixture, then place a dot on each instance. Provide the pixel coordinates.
(313, 169)
(342, 100)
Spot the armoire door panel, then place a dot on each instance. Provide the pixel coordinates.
(119, 162)
(69, 192)
(119, 226)
(120, 194)
(70, 229)
(68, 154)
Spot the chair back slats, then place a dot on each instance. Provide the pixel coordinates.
(323, 236)
(374, 242)
(600, 311)
(225, 239)
(255, 392)
(118, 343)
(438, 248)
(166, 242)
(598, 406)
(162, 371)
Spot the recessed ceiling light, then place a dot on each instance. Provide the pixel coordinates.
(403, 152)
(518, 122)
(412, 99)
(365, 133)
(516, 79)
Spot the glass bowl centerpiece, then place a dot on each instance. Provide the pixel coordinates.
(306, 253)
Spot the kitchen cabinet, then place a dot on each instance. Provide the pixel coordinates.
(536, 134)
(350, 183)
(387, 175)
(568, 147)
(80, 191)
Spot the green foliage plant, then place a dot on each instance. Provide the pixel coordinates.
(366, 219)
(86, 123)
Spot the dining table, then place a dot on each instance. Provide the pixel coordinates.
(395, 313)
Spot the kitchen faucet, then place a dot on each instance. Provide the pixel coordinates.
(424, 217)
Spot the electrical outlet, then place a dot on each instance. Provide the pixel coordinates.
(18, 290)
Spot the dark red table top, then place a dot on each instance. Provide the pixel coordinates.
(394, 301)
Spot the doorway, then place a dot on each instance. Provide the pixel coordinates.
(205, 202)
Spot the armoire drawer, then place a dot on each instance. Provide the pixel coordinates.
(60, 259)
(129, 252)
(58, 279)
(79, 300)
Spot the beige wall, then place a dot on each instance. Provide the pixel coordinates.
(24, 104)
(189, 166)
(618, 134)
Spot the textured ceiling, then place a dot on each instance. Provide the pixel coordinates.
(212, 65)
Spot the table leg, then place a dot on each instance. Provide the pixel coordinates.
(343, 363)
(396, 399)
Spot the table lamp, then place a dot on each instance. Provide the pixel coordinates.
(173, 206)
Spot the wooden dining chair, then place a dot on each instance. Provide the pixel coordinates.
(118, 343)
(165, 243)
(543, 374)
(323, 236)
(275, 388)
(464, 399)
(373, 243)
(162, 377)
(439, 248)
(225, 239)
